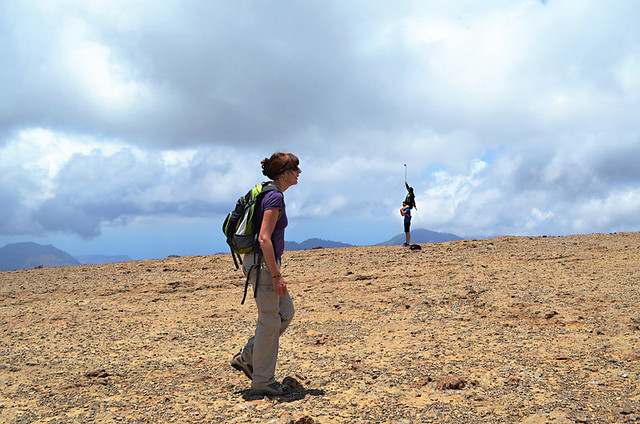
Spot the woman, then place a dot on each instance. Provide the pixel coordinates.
(411, 197)
(257, 359)
(406, 212)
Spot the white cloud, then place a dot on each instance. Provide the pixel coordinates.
(627, 74)
(107, 80)
(537, 218)
(618, 211)
(446, 194)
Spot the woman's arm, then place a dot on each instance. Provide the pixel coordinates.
(269, 220)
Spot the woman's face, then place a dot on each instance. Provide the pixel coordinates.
(292, 174)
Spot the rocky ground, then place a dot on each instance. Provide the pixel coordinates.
(505, 330)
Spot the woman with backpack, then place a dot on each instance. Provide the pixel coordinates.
(257, 359)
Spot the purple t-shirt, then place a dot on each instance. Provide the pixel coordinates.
(273, 200)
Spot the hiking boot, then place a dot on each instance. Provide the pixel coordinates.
(405, 244)
(238, 363)
(273, 389)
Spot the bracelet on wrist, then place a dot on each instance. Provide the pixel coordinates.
(275, 277)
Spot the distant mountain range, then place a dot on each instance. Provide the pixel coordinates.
(313, 243)
(417, 236)
(421, 236)
(30, 255)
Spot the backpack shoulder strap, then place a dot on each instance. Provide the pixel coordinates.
(269, 186)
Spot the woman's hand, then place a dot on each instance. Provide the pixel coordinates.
(279, 285)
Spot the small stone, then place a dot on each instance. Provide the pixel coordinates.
(293, 383)
(305, 419)
(421, 381)
(451, 383)
(97, 373)
(512, 381)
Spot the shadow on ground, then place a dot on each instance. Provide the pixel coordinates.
(298, 392)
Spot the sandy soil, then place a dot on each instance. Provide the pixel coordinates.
(506, 330)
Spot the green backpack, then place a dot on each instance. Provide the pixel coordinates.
(240, 226)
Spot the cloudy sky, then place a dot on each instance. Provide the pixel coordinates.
(131, 127)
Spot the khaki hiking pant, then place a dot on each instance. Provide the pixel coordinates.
(274, 316)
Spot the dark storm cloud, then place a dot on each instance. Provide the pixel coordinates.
(97, 189)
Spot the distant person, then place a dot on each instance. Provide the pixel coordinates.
(405, 211)
(257, 359)
(411, 197)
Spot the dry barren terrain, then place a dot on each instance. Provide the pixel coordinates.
(505, 330)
